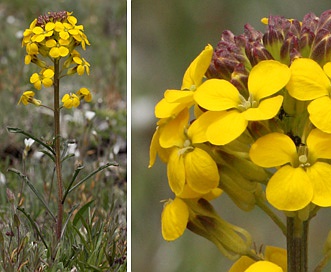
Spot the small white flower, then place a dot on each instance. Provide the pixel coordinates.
(28, 143)
(89, 115)
(2, 179)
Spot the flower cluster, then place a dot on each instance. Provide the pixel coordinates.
(252, 119)
(55, 37)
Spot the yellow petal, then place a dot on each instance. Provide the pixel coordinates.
(189, 193)
(263, 266)
(320, 173)
(54, 52)
(319, 145)
(174, 219)
(214, 193)
(50, 43)
(217, 95)
(49, 26)
(63, 51)
(267, 109)
(197, 131)
(242, 264)
(156, 149)
(224, 126)
(172, 133)
(164, 109)
(327, 69)
(289, 189)
(37, 30)
(195, 72)
(273, 149)
(267, 77)
(48, 73)
(308, 80)
(47, 82)
(153, 148)
(175, 96)
(201, 171)
(176, 172)
(80, 70)
(276, 255)
(34, 78)
(320, 114)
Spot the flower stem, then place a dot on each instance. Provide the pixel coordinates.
(57, 135)
(297, 245)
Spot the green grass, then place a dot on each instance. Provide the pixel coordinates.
(95, 212)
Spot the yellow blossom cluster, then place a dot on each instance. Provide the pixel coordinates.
(252, 119)
(54, 37)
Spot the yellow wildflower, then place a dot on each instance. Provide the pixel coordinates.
(42, 33)
(188, 165)
(28, 97)
(65, 30)
(175, 101)
(70, 100)
(44, 78)
(58, 48)
(310, 82)
(303, 175)
(82, 65)
(84, 93)
(229, 112)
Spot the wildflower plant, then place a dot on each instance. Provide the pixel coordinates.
(251, 120)
(52, 43)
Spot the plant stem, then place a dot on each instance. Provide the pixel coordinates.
(297, 245)
(57, 135)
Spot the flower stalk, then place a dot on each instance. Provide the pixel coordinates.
(297, 244)
(57, 144)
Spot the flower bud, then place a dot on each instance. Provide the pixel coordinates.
(228, 54)
(321, 49)
(231, 240)
(240, 190)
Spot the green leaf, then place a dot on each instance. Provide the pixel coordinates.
(93, 173)
(36, 192)
(18, 130)
(77, 170)
(34, 225)
(80, 213)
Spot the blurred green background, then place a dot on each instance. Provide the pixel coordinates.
(166, 37)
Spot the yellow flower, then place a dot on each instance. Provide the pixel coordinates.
(84, 93)
(44, 78)
(175, 101)
(310, 82)
(275, 261)
(28, 97)
(58, 48)
(81, 38)
(65, 30)
(229, 112)
(175, 215)
(42, 33)
(70, 100)
(303, 175)
(188, 165)
(82, 65)
(174, 219)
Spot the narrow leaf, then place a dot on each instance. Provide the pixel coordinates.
(40, 197)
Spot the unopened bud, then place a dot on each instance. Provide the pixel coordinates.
(231, 240)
